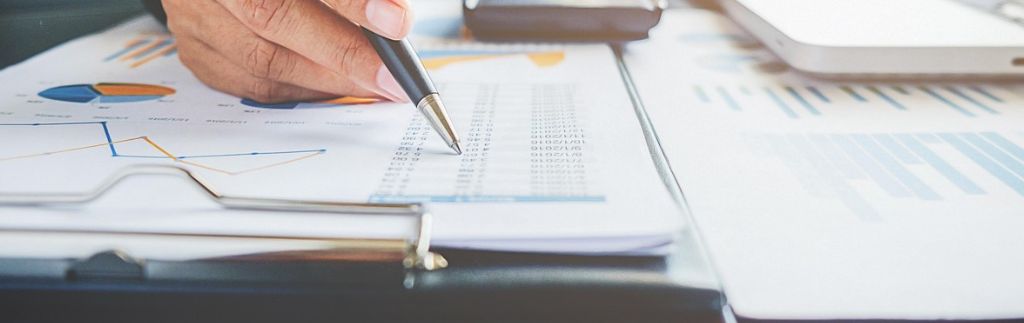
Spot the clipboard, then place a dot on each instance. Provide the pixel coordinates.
(361, 280)
(350, 279)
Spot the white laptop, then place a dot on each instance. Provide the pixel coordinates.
(890, 37)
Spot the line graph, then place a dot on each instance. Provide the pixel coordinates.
(162, 152)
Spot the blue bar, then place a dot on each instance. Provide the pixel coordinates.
(839, 160)
(896, 149)
(986, 93)
(817, 93)
(126, 50)
(800, 98)
(992, 151)
(954, 176)
(728, 98)
(911, 181)
(782, 105)
(964, 96)
(992, 167)
(799, 167)
(1004, 143)
(853, 93)
(827, 175)
(943, 99)
(701, 94)
(887, 98)
(870, 166)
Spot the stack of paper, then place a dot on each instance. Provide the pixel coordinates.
(555, 159)
(839, 200)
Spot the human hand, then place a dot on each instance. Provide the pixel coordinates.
(288, 50)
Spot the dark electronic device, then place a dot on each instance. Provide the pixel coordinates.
(562, 20)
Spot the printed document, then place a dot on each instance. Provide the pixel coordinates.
(555, 160)
(839, 200)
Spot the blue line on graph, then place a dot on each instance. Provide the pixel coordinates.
(992, 151)
(948, 171)
(949, 103)
(728, 98)
(886, 97)
(701, 94)
(853, 93)
(110, 142)
(384, 198)
(126, 50)
(902, 174)
(896, 149)
(986, 93)
(871, 167)
(976, 103)
(782, 104)
(803, 102)
(113, 151)
(900, 89)
(989, 165)
(233, 155)
(817, 93)
(1004, 143)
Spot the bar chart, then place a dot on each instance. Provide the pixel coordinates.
(809, 101)
(921, 166)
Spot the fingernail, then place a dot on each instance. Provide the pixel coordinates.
(388, 83)
(387, 17)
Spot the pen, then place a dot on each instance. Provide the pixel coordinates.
(405, 66)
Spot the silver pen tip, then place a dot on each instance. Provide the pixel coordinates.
(458, 149)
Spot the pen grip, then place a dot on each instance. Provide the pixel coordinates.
(404, 64)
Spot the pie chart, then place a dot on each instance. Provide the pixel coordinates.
(106, 93)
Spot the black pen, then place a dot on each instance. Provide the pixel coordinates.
(405, 66)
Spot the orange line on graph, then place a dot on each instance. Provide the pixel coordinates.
(134, 41)
(143, 49)
(169, 155)
(153, 56)
(66, 150)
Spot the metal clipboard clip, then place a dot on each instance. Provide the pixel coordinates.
(416, 250)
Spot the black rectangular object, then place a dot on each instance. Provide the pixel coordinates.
(561, 20)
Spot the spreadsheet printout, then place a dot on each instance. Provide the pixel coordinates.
(554, 157)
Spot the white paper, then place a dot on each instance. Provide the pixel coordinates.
(555, 159)
(839, 200)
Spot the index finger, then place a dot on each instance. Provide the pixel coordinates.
(388, 18)
(313, 30)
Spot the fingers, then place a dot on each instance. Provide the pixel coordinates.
(314, 31)
(264, 59)
(388, 18)
(219, 73)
